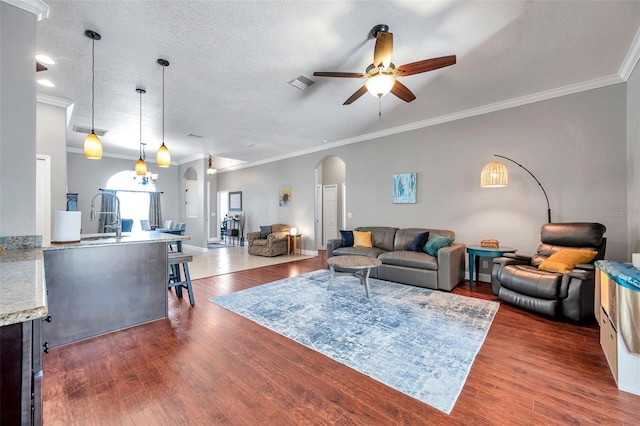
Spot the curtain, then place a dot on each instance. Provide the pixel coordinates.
(155, 209)
(107, 204)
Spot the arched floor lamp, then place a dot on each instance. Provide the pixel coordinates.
(496, 175)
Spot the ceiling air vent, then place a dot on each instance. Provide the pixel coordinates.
(87, 130)
(193, 135)
(301, 82)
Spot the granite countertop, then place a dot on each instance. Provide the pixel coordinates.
(110, 239)
(22, 287)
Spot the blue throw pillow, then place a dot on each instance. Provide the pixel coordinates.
(436, 243)
(347, 238)
(418, 242)
(264, 232)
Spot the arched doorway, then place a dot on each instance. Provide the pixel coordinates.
(330, 199)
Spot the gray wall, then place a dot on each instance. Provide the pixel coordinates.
(86, 177)
(575, 145)
(51, 140)
(633, 163)
(196, 227)
(18, 118)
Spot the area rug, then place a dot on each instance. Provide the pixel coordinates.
(216, 245)
(418, 341)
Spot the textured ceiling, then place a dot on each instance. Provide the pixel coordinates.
(231, 61)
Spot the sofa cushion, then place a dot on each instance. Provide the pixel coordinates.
(436, 242)
(261, 242)
(359, 251)
(565, 260)
(347, 238)
(404, 236)
(362, 239)
(264, 232)
(381, 236)
(410, 259)
(418, 242)
(528, 280)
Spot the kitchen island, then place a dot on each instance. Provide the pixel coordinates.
(105, 283)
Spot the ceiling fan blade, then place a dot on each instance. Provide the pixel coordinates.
(361, 91)
(403, 92)
(425, 65)
(338, 74)
(383, 50)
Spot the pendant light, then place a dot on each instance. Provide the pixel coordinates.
(141, 166)
(210, 169)
(163, 157)
(92, 145)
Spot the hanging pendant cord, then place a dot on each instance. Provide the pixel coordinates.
(163, 105)
(93, 82)
(379, 107)
(141, 124)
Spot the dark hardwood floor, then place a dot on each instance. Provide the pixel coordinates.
(205, 365)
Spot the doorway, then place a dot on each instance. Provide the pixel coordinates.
(330, 199)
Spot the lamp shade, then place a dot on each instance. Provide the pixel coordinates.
(163, 157)
(294, 231)
(494, 175)
(92, 147)
(380, 85)
(141, 167)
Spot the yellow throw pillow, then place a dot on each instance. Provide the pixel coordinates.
(362, 239)
(565, 260)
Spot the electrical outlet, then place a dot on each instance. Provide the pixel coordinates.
(485, 264)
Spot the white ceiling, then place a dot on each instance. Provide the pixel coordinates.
(231, 61)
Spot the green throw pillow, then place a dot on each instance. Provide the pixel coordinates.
(435, 243)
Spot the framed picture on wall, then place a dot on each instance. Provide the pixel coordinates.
(404, 188)
(235, 201)
(284, 196)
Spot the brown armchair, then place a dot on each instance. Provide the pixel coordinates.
(274, 244)
(516, 279)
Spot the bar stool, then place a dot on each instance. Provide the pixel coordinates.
(175, 281)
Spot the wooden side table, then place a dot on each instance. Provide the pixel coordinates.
(476, 252)
(291, 242)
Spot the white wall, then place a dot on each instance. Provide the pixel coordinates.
(196, 227)
(51, 140)
(575, 145)
(18, 118)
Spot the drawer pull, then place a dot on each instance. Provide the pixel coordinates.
(47, 318)
(46, 347)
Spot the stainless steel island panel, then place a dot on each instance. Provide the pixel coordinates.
(103, 288)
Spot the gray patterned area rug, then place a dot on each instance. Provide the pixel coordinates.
(418, 341)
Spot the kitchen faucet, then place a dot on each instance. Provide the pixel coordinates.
(117, 223)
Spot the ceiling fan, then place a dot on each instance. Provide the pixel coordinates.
(381, 75)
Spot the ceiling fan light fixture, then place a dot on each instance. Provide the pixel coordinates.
(380, 85)
(163, 156)
(210, 169)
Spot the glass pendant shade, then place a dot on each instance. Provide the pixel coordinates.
(92, 147)
(141, 167)
(380, 85)
(210, 169)
(163, 157)
(494, 175)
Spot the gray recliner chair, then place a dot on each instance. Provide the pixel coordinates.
(516, 279)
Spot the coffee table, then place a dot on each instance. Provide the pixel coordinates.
(359, 266)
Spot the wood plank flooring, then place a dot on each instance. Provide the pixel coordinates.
(205, 366)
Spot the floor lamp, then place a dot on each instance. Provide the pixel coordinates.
(496, 175)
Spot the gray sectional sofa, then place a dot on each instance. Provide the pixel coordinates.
(443, 272)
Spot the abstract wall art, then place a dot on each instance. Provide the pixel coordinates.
(404, 188)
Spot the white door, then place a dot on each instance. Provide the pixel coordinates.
(43, 197)
(330, 212)
(318, 228)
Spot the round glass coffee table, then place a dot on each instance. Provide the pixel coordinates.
(359, 266)
(476, 252)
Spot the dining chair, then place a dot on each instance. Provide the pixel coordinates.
(144, 225)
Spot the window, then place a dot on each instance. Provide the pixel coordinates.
(132, 191)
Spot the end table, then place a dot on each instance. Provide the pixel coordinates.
(476, 252)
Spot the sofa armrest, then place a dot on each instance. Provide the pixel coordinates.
(498, 265)
(521, 259)
(332, 245)
(450, 266)
(275, 237)
(585, 267)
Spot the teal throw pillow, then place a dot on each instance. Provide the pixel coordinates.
(435, 243)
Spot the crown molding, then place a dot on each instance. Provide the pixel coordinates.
(37, 7)
(630, 61)
(473, 112)
(53, 100)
